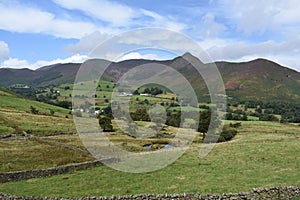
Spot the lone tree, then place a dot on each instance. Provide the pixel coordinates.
(105, 123)
(208, 120)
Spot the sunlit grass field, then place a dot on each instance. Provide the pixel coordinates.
(263, 154)
(16, 116)
(17, 155)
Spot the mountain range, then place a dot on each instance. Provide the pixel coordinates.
(258, 79)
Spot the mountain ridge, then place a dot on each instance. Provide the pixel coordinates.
(259, 79)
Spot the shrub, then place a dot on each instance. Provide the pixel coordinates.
(52, 112)
(235, 125)
(33, 110)
(227, 134)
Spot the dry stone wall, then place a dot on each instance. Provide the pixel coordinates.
(24, 175)
(277, 193)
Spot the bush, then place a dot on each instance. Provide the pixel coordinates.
(227, 134)
(33, 110)
(52, 112)
(235, 125)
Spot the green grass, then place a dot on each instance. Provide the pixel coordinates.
(16, 155)
(261, 155)
(16, 116)
(23, 104)
(12, 120)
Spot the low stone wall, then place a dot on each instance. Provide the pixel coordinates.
(29, 174)
(269, 193)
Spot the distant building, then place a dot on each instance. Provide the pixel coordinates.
(124, 94)
(97, 112)
(20, 86)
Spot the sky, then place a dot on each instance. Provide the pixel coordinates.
(36, 33)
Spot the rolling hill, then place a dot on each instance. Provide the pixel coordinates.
(16, 116)
(259, 79)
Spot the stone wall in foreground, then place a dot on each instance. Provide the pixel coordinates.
(29, 174)
(276, 193)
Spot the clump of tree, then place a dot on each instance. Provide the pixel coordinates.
(209, 125)
(173, 118)
(105, 119)
(153, 91)
(140, 114)
(105, 123)
(266, 110)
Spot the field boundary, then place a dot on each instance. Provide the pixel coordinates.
(282, 192)
(39, 173)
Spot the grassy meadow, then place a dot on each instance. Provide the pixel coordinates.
(16, 116)
(263, 154)
(18, 155)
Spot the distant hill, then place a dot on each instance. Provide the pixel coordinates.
(259, 79)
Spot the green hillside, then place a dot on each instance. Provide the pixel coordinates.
(16, 116)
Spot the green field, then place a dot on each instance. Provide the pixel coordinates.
(17, 155)
(261, 155)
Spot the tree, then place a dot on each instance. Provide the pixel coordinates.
(173, 119)
(208, 120)
(259, 110)
(64, 104)
(105, 123)
(229, 116)
(136, 92)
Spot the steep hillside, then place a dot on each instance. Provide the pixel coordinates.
(260, 79)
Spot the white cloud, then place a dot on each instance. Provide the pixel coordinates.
(208, 27)
(4, 50)
(14, 63)
(136, 55)
(290, 61)
(139, 39)
(88, 43)
(119, 15)
(31, 20)
(237, 49)
(285, 53)
(162, 21)
(109, 11)
(17, 63)
(259, 17)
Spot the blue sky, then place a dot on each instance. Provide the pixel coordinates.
(35, 33)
